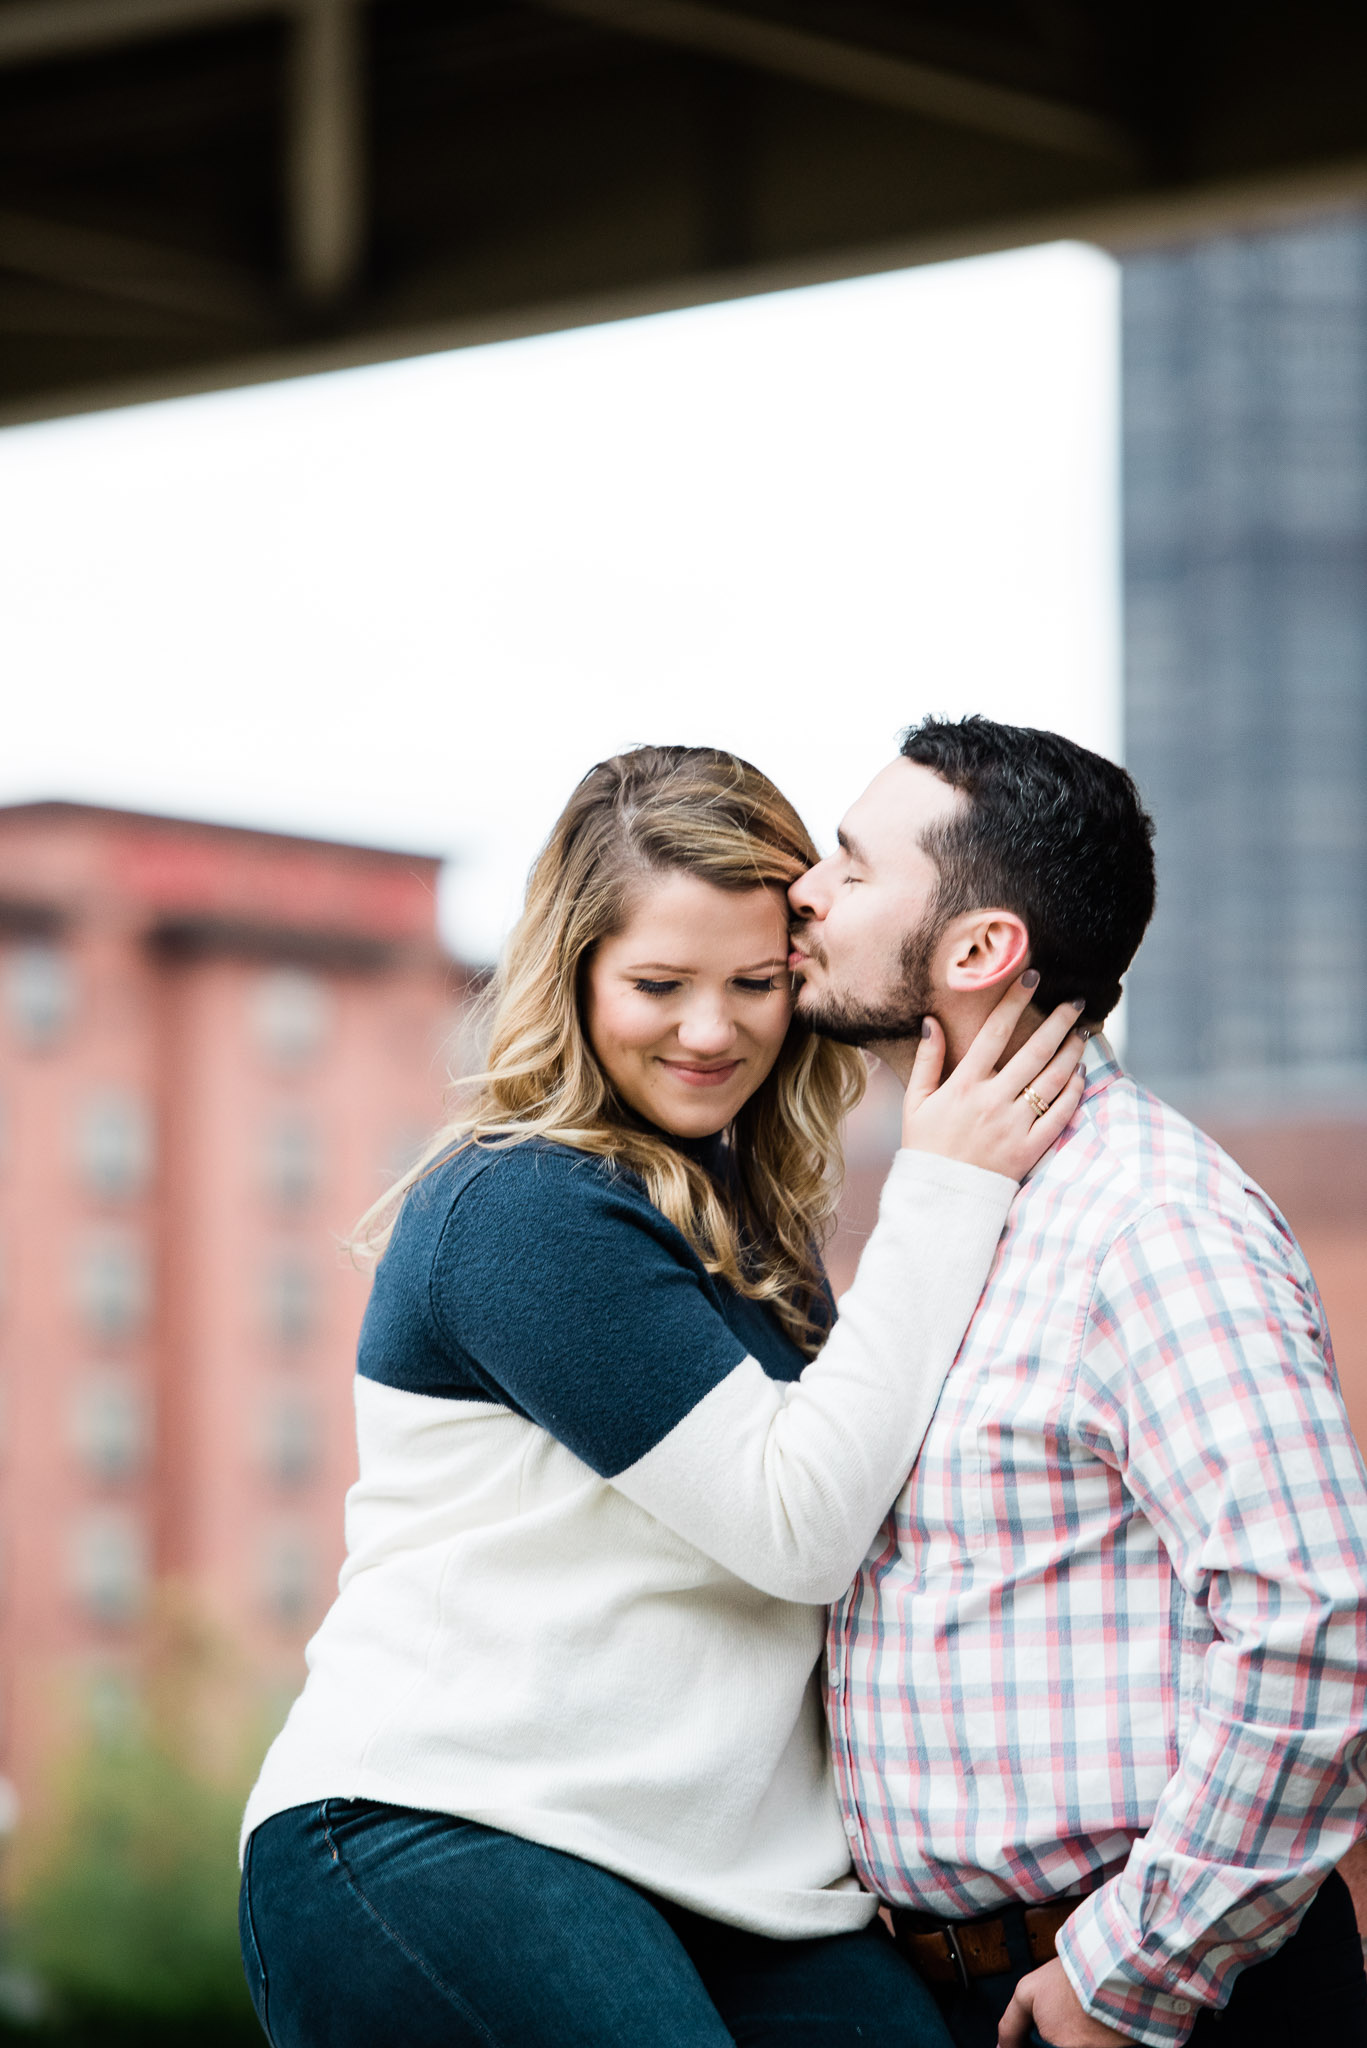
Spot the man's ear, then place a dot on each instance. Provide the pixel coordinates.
(984, 950)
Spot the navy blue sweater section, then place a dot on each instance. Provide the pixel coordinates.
(542, 1279)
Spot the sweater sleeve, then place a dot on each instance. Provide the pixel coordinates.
(590, 1313)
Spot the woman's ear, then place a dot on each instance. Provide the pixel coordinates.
(987, 949)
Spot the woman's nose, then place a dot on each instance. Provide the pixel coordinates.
(706, 1028)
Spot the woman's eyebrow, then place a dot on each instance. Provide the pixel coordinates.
(767, 966)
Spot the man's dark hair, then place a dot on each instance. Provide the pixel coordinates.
(1052, 832)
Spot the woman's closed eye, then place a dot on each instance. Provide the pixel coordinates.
(749, 984)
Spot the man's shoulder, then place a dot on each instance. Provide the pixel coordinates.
(1129, 1156)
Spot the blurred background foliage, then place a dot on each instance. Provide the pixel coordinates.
(121, 1906)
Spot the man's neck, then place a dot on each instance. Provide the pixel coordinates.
(960, 1029)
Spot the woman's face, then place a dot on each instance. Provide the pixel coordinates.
(688, 1006)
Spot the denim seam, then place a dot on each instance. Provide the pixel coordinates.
(452, 1996)
(250, 1919)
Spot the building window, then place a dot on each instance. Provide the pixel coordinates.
(114, 1144)
(112, 1426)
(288, 1577)
(112, 1286)
(290, 1159)
(40, 993)
(290, 1439)
(292, 1012)
(291, 1299)
(109, 1567)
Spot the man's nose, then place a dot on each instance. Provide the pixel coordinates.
(809, 895)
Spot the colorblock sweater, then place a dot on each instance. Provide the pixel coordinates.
(602, 1502)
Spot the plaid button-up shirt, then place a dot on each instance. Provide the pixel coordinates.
(1114, 1634)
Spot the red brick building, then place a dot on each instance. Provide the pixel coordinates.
(215, 1045)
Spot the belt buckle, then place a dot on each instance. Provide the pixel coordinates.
(956, 1952)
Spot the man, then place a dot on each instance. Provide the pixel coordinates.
(1097, 1700)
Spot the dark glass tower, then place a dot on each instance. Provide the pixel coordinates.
(1245, 462)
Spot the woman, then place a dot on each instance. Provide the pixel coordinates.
(558, 1773)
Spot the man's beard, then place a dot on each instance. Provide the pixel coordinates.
(900, 1013)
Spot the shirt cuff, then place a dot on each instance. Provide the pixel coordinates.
(1143, 1998)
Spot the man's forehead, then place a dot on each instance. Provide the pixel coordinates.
(901, 801)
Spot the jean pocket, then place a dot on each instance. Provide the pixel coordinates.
(253, 1967)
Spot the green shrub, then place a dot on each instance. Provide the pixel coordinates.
(122, 1922)
(131, 1916)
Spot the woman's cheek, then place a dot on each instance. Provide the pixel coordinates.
(639, 1022)
(616, 1019)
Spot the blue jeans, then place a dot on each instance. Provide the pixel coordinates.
(1311, 1994)
(366, 1925)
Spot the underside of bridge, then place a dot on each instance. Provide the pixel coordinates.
(196, 193)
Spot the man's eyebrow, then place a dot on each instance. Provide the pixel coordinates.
(851, 846)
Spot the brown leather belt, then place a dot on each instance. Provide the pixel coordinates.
(956, 1951)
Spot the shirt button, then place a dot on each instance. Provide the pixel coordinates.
(1181, 2005)
(852, 1829)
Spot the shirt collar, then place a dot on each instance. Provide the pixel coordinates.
(1099, 1068)
(1099, 1065)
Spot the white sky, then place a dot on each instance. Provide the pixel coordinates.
(412, 604)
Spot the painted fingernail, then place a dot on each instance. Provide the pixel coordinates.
(1079, 1002)
(925, 1027)
(1030, 978)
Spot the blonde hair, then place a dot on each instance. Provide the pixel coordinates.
(649, 812)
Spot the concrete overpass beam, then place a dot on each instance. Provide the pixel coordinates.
(326, 170)
(863, 73)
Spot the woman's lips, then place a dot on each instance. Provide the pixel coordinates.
(702, 1077)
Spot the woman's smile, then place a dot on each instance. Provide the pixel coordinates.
(695, 1076)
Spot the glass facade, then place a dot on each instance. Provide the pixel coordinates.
(1245, 461)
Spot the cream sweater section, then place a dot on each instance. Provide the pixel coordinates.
(626, 1667)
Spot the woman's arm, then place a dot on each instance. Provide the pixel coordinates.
(786, 1483)
(592, 1315)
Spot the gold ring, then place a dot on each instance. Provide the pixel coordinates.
(1035, 1100)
